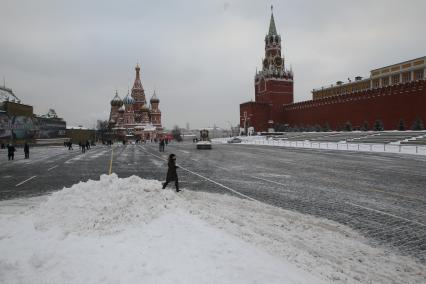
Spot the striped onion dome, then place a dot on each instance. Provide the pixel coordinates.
(128, 100)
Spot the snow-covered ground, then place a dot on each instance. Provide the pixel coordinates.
(130, 231)
(341, 146)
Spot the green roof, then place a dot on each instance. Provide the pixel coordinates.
(272, 28)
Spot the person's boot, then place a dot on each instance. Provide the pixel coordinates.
(164, 185)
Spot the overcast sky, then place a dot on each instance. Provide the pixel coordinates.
(199, 56)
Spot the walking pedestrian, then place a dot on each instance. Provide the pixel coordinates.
(82, 146)
(10, 152)
(171, 172)
(161, 145)
(27, 150)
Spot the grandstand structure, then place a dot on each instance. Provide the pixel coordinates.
(417, 138)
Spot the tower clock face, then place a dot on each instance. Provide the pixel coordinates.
(278, 61)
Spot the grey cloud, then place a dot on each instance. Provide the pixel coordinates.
(199, 55)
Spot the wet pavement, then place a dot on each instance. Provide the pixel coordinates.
(383, 196)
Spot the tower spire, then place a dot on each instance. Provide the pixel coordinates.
(137, 68)
(137, 84)
(137, 91)
(272, 28)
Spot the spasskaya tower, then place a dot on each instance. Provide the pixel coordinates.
(273, 86)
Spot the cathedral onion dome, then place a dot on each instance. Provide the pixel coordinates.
(116, 100)
(121, 109)
(144, 109)
(128, 100)
(154, 98)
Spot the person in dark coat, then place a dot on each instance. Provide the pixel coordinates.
(11, 152)
(171, 172)
(161, 144)
(27, 150)
(83, 147)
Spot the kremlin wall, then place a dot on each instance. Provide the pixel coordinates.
(391, 95)
(389, 105)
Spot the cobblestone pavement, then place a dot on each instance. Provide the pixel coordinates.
(383, 196)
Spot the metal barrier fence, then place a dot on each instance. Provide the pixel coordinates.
(363, 147)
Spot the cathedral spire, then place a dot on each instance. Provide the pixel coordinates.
(137, 84)
(137, 91)
(272, 28)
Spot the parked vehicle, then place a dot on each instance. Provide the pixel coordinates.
(204, 142)
(235, 140)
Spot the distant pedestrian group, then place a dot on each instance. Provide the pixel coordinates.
(68, 144)
(84, 146)
(11, 149)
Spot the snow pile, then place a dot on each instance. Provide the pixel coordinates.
(325, 248)
(127, 231)
(105, 206)
(131, 231)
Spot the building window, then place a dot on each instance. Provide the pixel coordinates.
(406, 77)
(385, 81)
(395, 79)
(376, 83)
(418, 74)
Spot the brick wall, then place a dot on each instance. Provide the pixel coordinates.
(389, 104)
(257, 115)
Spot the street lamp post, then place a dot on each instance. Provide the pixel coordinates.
(230, 126)
(245, 124)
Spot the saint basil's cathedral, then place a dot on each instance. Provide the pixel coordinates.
(132, 117)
